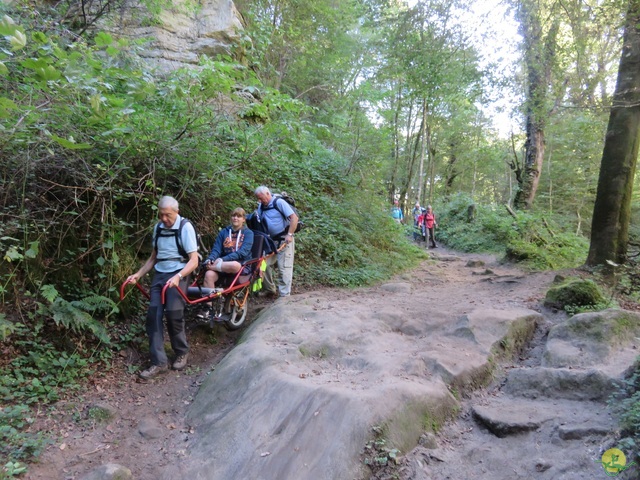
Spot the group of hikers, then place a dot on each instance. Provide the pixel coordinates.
(424, 222)
(175, 257)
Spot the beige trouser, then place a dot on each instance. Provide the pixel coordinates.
(280, 271)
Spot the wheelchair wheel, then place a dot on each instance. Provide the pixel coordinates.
(237, 307)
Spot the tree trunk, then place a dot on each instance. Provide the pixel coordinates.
(431, 158)
(611, 213)
(533, 157)
(396, 145)
(423, 135)
(451, 171)
(539, 58)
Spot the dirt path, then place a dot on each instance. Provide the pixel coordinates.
(85, 440)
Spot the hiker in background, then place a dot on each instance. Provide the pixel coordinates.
(431, 224)
(422, 225)
(230, 250)
(173, 259)
(281, 223)
(416, 212)
(396, 212)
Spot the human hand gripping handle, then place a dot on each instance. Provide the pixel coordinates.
(174, 281)
(191, 265)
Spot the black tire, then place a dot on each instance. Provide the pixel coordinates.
(237, 310)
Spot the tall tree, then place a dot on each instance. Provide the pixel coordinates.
(540, 45)
(611, 213)
(425, 49)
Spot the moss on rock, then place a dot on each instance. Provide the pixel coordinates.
(574, 292)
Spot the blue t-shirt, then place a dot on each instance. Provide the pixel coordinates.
(276, 222)
(167, 247)
(397, 213)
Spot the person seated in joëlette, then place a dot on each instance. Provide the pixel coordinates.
(230, 250)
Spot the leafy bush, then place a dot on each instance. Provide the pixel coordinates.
(16, 443)
(486, 230)
(625, 404)
(529, 239)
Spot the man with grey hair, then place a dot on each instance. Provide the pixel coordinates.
(280, 221)
(173, 258)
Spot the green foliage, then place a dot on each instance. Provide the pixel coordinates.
(529, 239)
(574, 150)
(488, 231)
(377, 454)
(42, 374)
(12, 469)
(16, 442)
(7, 327)
(624, 402)
(371, 246)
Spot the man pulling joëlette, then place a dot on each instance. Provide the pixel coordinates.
(281, 223)
(173, 269)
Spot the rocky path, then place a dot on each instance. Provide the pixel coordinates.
(534, 422)
(546, 415)
(298, 397)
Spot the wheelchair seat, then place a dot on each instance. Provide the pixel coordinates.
(256, 250)
(225, 279)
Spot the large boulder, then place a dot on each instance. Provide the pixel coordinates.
(300, 395)
(606, 340)
(181, 36)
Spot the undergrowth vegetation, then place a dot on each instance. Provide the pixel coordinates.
(625, 403)
(530, 239)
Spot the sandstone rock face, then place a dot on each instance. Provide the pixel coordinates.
(181, 37)
(557, 403)
(300, 394)
(606, 340)
(317, 373)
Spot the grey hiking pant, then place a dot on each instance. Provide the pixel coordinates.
(174, 312)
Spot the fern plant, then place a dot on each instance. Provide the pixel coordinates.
(76, 315)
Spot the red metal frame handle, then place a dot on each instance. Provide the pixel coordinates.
(231, 288)
(140, 287)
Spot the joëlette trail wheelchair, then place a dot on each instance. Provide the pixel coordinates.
(230, 298)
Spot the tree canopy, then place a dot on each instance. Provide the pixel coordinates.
(347, 105)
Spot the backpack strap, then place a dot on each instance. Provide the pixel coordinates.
(279, 209)
(274, 205)
(177, 235)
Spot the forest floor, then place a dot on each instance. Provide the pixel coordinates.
(85, 439)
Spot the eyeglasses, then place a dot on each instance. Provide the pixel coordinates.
(237, 215)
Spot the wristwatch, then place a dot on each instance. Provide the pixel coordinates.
(180, 275)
